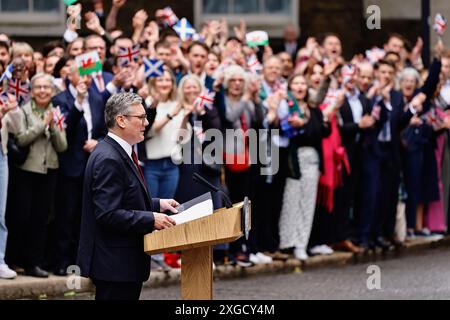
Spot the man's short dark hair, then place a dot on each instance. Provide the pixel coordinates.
(162, 44)
(396, 35)
(384, 62)
(329, 34)
(197, 43)
(5, 45)
(168, 33)
(389, 53)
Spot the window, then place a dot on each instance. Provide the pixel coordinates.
(247, 7)
(32, 17)
(270, 15)
(29, 5)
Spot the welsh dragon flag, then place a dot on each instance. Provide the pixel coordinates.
(257, 38)
(88, 63)
(69, 2)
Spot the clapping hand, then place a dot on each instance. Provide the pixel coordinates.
(9, 105)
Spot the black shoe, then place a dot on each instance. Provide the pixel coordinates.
(383, 244)
(36, 272)
(60, 272)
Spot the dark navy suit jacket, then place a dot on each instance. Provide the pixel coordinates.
(73, 160)
(117, 213)
(399, 119)
(349, 129)
(107, 78)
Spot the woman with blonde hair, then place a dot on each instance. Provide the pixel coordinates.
(161, 145)
(197, 121)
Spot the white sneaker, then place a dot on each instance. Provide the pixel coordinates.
(316, 250)
(327, 250)
(254, 258)
(6, 272)
(300, 254)
(263, 258)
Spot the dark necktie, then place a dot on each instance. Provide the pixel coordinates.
(136, 162)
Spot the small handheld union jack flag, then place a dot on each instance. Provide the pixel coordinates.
(127, 55)
(206, 99)
(3, 98)
(20, 89)
(153, 68)
(254, 65)
(59, 119)
(331, 97)
(440, 24)
(376, 112)
(170, 18)
(280, 85)
(375, 54)
(348, 72)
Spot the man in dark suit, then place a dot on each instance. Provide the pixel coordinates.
(355, 120)
(117, 207)
(83, 110)
(382, 162)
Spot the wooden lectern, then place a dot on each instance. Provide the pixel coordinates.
(195, 239)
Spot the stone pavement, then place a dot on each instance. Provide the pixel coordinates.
(24, 287)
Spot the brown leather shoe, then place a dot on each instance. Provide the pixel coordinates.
(277, 255)
(347, 245)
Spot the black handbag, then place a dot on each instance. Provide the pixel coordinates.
(17, 155)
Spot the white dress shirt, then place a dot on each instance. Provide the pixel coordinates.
(84, 107)
(125, 145)
(355, 105)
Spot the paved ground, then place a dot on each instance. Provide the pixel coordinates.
(424, 275)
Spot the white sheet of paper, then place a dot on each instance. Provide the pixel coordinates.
(198, 211)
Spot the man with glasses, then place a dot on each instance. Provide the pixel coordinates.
(117, 207)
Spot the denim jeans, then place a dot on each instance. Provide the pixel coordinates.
(3, 195)
(162, 177)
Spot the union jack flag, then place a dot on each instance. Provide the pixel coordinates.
(375, 54)
(254, 65)
(20, 89)
(184, 29)
(206, 99)
(440, 24)
(59, 119)
(153, 68)
(331, 97)
(170, 18)
(348, 72)
(376, 112)
(3, 98)
(434, 118)
(225, 64)
(127, 55)
(280, 85)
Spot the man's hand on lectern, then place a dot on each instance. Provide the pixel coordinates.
(168, 205)
(163, 221)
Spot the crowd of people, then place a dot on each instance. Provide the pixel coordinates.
(354, 138)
